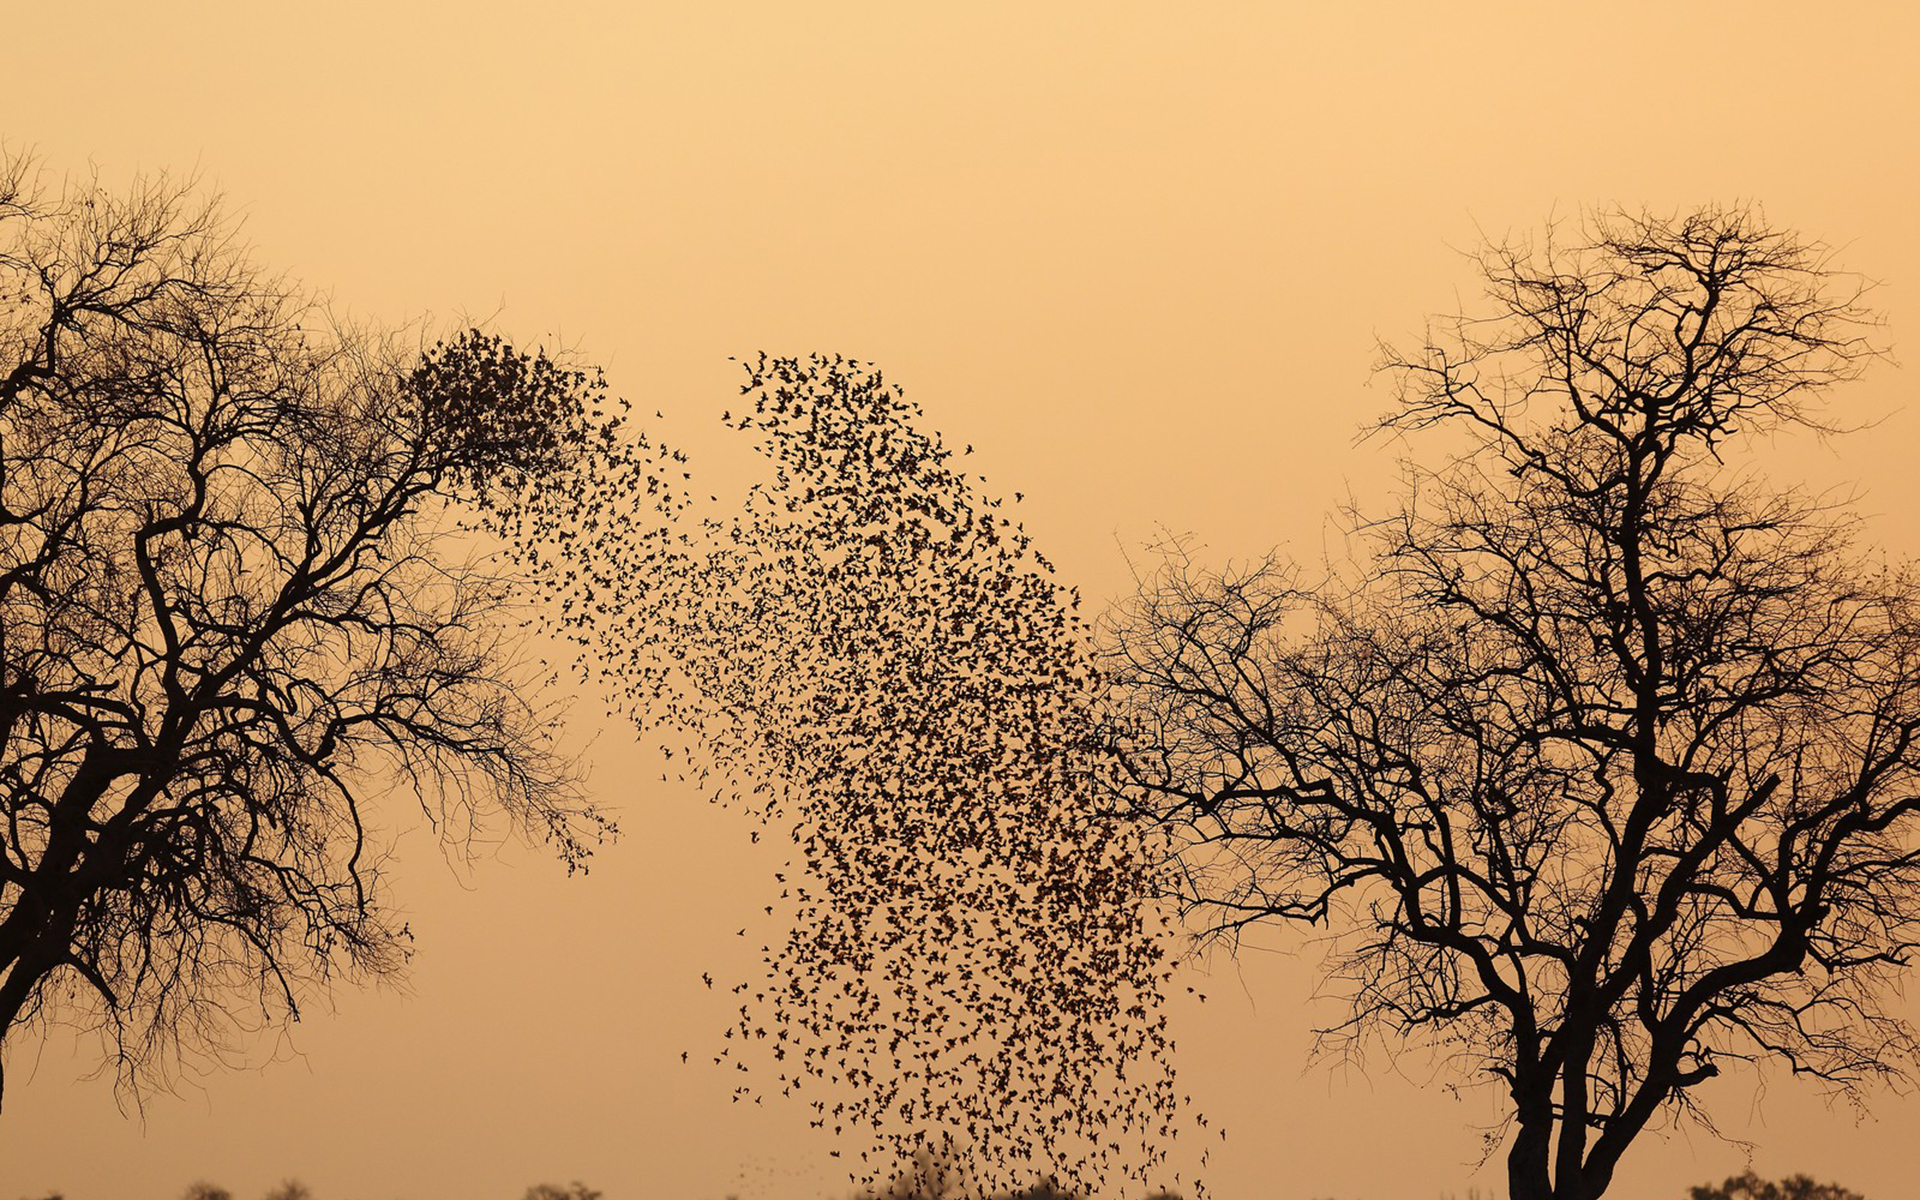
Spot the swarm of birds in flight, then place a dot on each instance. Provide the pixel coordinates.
(868, 656)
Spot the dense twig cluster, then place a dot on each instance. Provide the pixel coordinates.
(878, 665)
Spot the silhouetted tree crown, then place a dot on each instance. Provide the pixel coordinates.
(233, 624)
(1598, 760)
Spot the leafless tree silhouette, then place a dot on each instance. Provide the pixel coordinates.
(1599, 760)
(231, 622)
(875, 661)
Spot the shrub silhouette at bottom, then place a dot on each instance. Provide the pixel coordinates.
(1751, 1187)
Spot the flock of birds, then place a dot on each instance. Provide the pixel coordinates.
(869, 657)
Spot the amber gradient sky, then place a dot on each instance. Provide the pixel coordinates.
(1137, 254)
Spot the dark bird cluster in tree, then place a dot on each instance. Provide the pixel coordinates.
(1599, 761)
(877, 663)
(234, 622)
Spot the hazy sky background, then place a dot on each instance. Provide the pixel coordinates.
(1137, 254)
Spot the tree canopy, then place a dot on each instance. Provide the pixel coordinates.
(234, 624)
(1597, 758)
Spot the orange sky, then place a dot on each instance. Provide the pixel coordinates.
(1137, 254)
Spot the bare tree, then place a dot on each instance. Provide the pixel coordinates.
(1599, 760)
(872, 659)
(232, 624)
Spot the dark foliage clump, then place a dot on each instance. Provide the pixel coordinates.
(1749, 1186)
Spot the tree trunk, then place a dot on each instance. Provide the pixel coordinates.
(1528, 1161)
